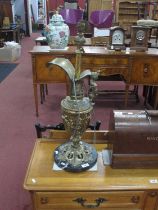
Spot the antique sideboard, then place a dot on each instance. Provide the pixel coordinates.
(136, 67)
(104, 188)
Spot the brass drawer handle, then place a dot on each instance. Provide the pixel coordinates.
(135, 199)
(95, 205)
(44, 200)
(146, 68)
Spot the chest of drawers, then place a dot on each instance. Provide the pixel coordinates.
(106, 188)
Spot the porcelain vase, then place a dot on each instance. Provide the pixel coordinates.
(57, 32)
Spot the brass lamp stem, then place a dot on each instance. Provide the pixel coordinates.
(78, 64)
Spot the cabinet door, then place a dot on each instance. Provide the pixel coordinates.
(151, 202)
(144, 71)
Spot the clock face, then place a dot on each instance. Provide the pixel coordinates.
(140, 35)
(117, 37)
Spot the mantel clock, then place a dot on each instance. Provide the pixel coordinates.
(117, 38)
(139, 38)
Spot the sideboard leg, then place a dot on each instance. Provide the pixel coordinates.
(126, 94)
(36, 98)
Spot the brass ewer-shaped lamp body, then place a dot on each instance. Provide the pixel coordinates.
(75, 155)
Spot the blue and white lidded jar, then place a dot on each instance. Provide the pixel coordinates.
(57, 32)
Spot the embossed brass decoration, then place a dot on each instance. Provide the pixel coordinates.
(76, 155)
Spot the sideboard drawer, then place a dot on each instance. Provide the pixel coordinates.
(109, 70)
(106, 66)
(41, 71)
(82, 200)
(100, 60)
(144, 71)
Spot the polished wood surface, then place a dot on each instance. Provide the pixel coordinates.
(48, 179)
(122, 188)
(135, 67)
(43, 41)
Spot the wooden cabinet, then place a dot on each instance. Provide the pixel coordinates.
(127, 12)
(105, 188)
(6, 10)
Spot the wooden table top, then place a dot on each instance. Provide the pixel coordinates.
(42, 39)
(41, 176)
(98, 50)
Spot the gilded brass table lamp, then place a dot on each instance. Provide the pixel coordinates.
(76, 155)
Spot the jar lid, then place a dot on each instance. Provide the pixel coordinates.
(56, 18)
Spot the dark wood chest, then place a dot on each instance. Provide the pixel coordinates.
(135, 139)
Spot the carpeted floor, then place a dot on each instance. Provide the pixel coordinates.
(6, 69)
(17, 132)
